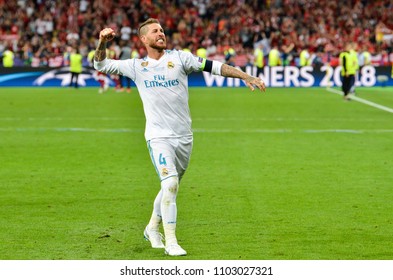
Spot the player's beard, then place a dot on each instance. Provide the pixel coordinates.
(158, 46)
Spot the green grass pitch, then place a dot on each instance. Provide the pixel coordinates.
(282, 175)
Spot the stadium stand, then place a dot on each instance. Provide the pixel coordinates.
(41, 32)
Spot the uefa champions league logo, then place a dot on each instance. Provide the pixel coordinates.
(64, 75)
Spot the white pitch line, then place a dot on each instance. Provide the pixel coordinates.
(197, 130)
(333, 130)
(70, 129)
(364, 101)
(281, 119)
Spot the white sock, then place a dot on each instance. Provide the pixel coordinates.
(169, 189)
(170, 234)
(156, 216)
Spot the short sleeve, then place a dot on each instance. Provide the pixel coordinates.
(191, 63)
(119, 67)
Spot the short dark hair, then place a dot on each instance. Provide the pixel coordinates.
(145, 23)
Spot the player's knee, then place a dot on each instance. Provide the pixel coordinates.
(170, 187)
(170, 184)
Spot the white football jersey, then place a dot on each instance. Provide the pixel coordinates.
(163, 88)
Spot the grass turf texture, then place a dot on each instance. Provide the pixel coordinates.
(289, 174)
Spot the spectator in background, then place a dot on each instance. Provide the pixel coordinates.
(348, 71)
(382, 33)
(286, 53)
(8, 58)
(201, 52)
(75, 66)
(67, 56)
(259, 58)
(27, 54)
(207, 43)
(274, 57)
(355, 63)
(364, 57)
(304, 58)
(90, 57)
(126, 32)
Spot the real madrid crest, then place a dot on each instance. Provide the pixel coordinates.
(144, 63)
(164, 172)
(171, 65)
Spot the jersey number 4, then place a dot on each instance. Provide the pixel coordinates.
(161, 160)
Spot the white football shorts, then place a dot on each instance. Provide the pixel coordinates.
(170, 156)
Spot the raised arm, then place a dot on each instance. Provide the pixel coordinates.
(230, 71)
(106, 35)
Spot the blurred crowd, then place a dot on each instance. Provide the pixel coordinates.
(43, 32)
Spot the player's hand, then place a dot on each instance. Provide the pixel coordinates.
(253, 82)
(107, 34)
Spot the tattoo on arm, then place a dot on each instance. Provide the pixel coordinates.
(100, 53)
(230, 71)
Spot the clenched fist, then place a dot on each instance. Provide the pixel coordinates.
(107, 34)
